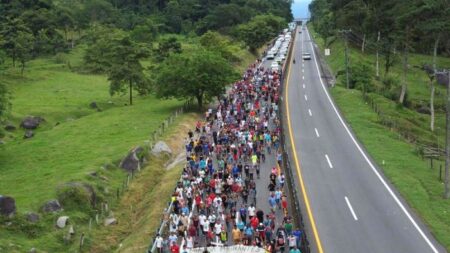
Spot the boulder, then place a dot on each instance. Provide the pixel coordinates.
(10, 127)
(132, 162)
(31, 122)
(33, 217)
(110, 221)
(52, 206)
(7, 206)
(62, 221)
(28, 134)
(32, 250)
(93, 105)
(161, 148)
(424, 110)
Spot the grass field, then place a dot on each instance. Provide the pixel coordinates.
(76, 140)
(412, 176)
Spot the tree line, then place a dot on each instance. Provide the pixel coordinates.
(388, 28)
(120, 34)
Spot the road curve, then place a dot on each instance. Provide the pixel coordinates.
(350, 205)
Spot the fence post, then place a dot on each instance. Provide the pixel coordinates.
(81, 241)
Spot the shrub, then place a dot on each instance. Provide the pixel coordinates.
(61, 58)
(75, 196)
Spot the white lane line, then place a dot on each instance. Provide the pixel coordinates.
(303, 70)
(329, 162)
(304, 86)
(303, 77)
(317, 132)
(351, 208)
(306, 98)
(310, 112)
(396, 199)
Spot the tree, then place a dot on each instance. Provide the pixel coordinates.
(24, 47)
(434, 20)
(214, 41)
(126, 69)
(201, 75)
(166, 47)
(10, 33)
(260, 30)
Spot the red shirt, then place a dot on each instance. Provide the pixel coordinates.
(174, 248)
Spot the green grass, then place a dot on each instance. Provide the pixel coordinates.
(75, 140)
(412, 176)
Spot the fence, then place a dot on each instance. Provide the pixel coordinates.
(104, 210)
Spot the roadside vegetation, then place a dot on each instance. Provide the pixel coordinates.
(398, 112)
(90, 72)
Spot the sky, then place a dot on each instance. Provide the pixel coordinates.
(300, 8)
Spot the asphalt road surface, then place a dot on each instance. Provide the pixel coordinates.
(350, 205)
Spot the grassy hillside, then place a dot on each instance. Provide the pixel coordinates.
(397, 156)
(76, 140)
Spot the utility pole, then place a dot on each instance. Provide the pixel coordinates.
(346, 56)
(447, 140)
(378, 61)
(444, 79)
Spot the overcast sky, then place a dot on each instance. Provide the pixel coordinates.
(300, 8)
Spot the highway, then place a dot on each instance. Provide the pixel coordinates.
(348, 204)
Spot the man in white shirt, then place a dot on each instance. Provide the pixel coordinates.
(251, 211)
(159, 243)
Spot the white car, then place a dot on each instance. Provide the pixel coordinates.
(270, 56)
(274, 66)
(278, 59)
(306, 56)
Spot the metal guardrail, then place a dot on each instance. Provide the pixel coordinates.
(295, 202)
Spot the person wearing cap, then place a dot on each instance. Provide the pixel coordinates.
(260, 229)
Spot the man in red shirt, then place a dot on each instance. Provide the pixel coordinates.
(174, 248)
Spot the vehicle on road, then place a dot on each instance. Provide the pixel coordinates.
(270, 56)
(278, 59)
(306, 56)
(275, 66)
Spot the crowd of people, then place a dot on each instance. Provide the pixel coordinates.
(235, 150)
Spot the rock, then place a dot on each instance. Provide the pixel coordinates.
(10, 127)
(132, 162)
(33, 217)
(71, 230)
(424, 110)
(31, 122)
(2, 142)
(110, 221)
(52, 206)
(161, 148)
(7, 206)
(62, 221)
(28, 134)
(32, 250)
(93, 105)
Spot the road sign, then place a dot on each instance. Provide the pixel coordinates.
(327, 51)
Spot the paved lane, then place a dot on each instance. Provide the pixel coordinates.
(354, 209)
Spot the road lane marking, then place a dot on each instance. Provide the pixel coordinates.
(317, 132)
(351, 208)
(303, 70)
(328, 160)
(396, 199)
(304, 86)
(303, 77)
(297, 164)
(310, 112)
(306, 98)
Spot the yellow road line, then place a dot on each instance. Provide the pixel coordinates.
(297, 164)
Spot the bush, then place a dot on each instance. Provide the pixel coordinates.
(76, 196)
(61, 58)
